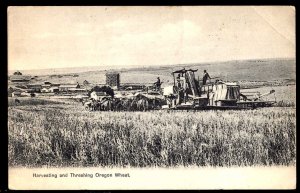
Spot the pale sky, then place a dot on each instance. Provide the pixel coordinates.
(58, 37)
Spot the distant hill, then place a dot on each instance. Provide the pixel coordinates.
(251, 70)
(240, 70)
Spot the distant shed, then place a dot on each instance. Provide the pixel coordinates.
(55, 84)
(54, 89)
(77, 90)
(67, 87)
(16, 94)
(113, 79)
(45, 90)
(35, 87)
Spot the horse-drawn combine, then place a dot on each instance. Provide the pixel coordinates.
(186, 93)
(140, 101)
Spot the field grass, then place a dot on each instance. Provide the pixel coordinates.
(67, 135)
(25, 101)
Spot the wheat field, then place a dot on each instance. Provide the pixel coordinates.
(67, 135)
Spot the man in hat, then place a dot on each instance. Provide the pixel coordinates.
(205, 77)
(158, 83)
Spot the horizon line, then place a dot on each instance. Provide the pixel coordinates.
(145, 66)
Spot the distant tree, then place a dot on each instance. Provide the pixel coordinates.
(17, 73)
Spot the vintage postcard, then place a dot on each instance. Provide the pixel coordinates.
(151, 97)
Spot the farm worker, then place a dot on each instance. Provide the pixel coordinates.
(178, 83)
(158, 83)
(205, 77)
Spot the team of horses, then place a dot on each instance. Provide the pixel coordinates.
(136, 103)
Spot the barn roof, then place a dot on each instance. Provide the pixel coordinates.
(55, 84)
(77, 89)
(34, 85)
(68, 85)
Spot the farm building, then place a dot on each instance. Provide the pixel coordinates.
(97, 95)
(55, 84)
(77, 90)
(67, 87)
(35, 87)
(25, 94)
(54, 89)
(20, 78)
(47, 86)
(113, 79)
(21, 86)
(16, 94)
(29, 90)
(45, 90)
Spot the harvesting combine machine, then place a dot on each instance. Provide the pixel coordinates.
(188, 93)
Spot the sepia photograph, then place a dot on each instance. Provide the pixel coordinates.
(151, 97)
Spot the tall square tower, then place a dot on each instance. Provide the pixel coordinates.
(113, 79)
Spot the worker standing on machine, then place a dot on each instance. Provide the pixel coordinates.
(178, 81)
(157, 84)
(205, 77)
